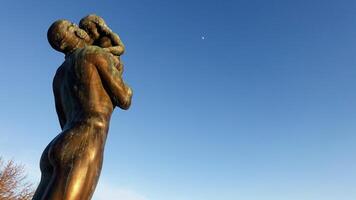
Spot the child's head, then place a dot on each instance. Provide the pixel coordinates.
(92, 25)
(101, 35)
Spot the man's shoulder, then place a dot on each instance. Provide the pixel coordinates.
(90, 54)
(92, 50)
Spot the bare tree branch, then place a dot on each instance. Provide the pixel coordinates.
(13, 185)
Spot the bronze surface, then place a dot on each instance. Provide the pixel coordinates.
(87, 87)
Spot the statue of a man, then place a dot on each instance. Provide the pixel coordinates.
(87, 87)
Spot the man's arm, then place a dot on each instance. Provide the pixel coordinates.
(119, 92)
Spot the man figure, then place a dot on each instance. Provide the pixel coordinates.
(87, 87)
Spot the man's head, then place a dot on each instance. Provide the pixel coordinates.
(64, 36)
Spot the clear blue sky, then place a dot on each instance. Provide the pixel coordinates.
(262, 108)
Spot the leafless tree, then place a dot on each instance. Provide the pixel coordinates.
(13, 185)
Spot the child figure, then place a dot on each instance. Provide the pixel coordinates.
(101, 35)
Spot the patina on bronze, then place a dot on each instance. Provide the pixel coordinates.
(87, 87)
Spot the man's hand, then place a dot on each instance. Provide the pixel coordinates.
(117, 61)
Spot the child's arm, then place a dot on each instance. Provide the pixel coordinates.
(117, 48)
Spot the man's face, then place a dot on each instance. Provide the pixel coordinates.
(74, 37)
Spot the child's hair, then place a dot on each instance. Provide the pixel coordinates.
(92, 25)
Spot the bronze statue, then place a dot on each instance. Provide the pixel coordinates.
(87, 87)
